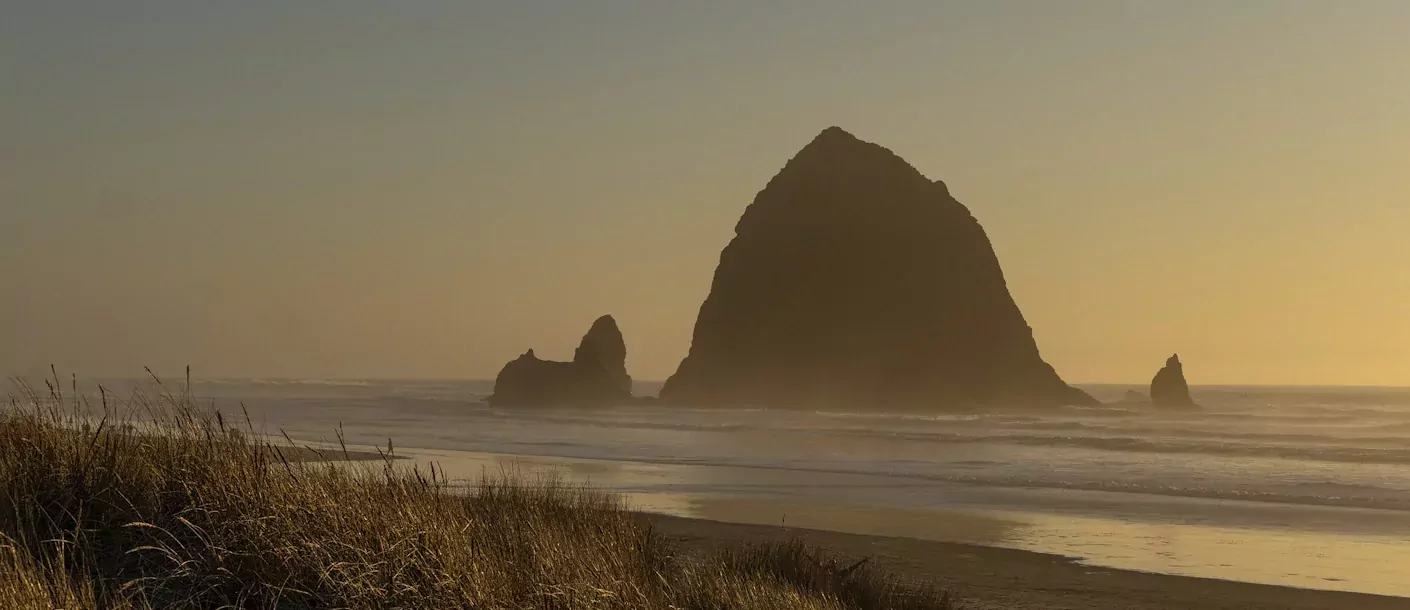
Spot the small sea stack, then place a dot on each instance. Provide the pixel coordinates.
(597, 373)
(1169, 389)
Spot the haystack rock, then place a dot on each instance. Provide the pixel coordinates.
(854, 280)
(597, 373)
(1169, 388)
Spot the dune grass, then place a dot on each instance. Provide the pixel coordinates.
(153, 502)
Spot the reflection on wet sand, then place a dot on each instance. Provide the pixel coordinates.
(1313, 560)
(942, 525)
(1267, 551)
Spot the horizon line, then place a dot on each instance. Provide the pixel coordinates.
(491, 380)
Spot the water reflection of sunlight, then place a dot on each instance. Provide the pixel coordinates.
(1275, 554)
(1314, 560)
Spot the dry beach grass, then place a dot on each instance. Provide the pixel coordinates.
(153, 502)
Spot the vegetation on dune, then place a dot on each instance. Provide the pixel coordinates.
(152, 502)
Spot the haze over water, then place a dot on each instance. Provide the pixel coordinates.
(1297, 486)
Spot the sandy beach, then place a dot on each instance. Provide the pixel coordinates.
(914, 546)
(983, 577)
(988, 578)
(1305, 503)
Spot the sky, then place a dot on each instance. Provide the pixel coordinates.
(370, 189)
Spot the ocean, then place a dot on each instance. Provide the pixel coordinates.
(1298, 486)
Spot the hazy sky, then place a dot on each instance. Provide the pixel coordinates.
(354, 188)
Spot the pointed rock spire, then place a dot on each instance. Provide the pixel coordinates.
(1168, 388)
(603, 345)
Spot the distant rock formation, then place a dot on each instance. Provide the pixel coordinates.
(854, 280)
(1168, 388)
(603, 344)
(597, 373)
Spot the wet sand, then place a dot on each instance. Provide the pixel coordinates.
(988, 578)
(1304, 547)
(1001, 559)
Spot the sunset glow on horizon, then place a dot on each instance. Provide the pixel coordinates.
(376, 190)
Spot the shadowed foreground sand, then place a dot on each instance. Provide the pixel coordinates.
(987, 578)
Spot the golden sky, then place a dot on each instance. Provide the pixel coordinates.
(372, 189)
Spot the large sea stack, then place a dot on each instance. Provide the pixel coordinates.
(597, 373)
(854, 280)
(1168, 388)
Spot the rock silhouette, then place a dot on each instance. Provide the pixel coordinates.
(1168, 388)
(603, 343)
(597, 373)
(854, 280)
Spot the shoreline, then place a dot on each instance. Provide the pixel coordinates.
(995, 578)
(1244, 542)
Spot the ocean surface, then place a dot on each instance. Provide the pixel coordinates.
(1298, 486)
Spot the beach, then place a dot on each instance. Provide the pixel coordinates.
(981, 576)
(1284, 497)
(988, 578)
